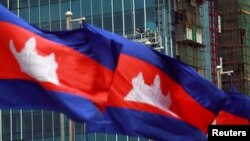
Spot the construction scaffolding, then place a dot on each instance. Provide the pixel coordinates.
(214, 31)
(234, 43)
(189, 37)
(152, 37)
(149, 38)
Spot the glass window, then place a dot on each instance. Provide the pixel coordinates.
(47, 123)
(45, 26)
(86, 8)
(64, 8)
(24, 10)
(55, 12)
(139, 4)
(139, 14)
(150, 3)
(128, 10)
(33, 3)
(37, 123)
(55, 16)
(57, 138)
(3, 2)
(27, 125)
(79, 128)
(66, 126)
(122, 138)
(6, 127)
(91, 136)
(106, 6)
(5, 112)
(75, 8)
(101, 137)
(96, 6)
(57, 124)
(136, 138)
(150, 14)
(118, 16)
(63, 22)
(97, 19)
(55, 25)
(24, 13)
(111, 137)
(13, 6)
(34, 15)
(44, 12)
(16, 124)
(79, 131)
(107, 15)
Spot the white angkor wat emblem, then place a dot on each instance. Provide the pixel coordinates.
(39, 67)
(149, 94)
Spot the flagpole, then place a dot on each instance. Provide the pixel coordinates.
(219, 70)
(69, 21)
(69, 15)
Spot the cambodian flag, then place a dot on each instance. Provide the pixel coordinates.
(157, 97)
(67, 71)
(236, 110)
(145, 92)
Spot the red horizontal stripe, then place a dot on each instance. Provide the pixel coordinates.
(183, 105)
(77, 73)
(228, 118)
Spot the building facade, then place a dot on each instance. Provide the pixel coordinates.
(234, 45)
(162, 24)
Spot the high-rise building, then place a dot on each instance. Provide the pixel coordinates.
(179, 28)
(234, 45)
(192, 34)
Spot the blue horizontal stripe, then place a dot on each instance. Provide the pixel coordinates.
(238, 104)
(22, 94)
(200, 89)
(137, 123)
(100, 49)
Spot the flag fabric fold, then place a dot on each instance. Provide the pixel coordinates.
(65, 71)
(149, 88)
(235, 111)
(144, 124)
